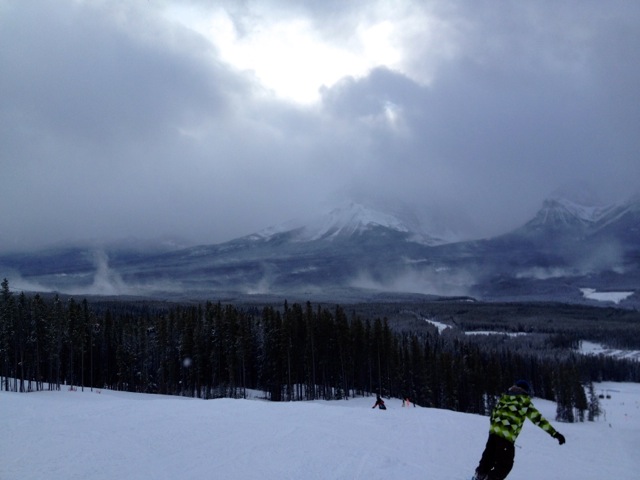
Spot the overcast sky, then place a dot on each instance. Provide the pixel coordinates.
(211, 120)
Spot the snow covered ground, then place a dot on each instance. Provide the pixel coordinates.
(592, 348)
(114, 435)
(489, 332)
(439, 325)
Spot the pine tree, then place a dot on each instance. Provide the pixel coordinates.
(20, 340)
(7, 317)
(55, 340)
(594, 404)
(564, 397)
(37, 334)
(579, 399)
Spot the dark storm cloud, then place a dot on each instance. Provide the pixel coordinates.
(115, 129)
(536, 98)
(116, 122)
(83, 77)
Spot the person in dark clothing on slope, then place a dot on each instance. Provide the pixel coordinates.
(507, 420)
(379, 403)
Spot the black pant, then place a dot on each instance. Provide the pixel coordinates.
(497, 459)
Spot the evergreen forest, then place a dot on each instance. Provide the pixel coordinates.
(305, 351)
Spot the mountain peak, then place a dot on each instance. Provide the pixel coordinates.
(584, 212)
(348, 220)
(561, 214)
(353, 218)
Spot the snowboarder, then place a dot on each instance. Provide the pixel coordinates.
(379, 403)
(507, 419)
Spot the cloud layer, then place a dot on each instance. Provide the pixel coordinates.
(146, 119)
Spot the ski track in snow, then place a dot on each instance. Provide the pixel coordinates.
(116, 435)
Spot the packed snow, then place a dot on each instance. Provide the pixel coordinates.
(114, 435)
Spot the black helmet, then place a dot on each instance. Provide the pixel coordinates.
(524, 385)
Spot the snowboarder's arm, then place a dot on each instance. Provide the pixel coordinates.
(536, 417)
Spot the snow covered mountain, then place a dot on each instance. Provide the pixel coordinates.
(567, 246)
(349, 221)
(562, 214)
(562, 217)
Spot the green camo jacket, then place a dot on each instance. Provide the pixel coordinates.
(510, 413)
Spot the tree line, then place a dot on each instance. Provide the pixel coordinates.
(289, 352)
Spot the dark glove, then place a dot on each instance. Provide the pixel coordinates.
(558, 436)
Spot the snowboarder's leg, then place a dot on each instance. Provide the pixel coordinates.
(504, 454)
(488, 459)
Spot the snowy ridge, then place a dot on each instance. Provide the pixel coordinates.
(617, 212)
(585, 213)
(346, 221)
(272, 231)
(559, 211)
(352, 219)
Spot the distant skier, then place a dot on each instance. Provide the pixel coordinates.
(379, 403)
(507, 419)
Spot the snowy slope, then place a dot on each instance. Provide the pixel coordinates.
(113, 435)
(623, 220)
